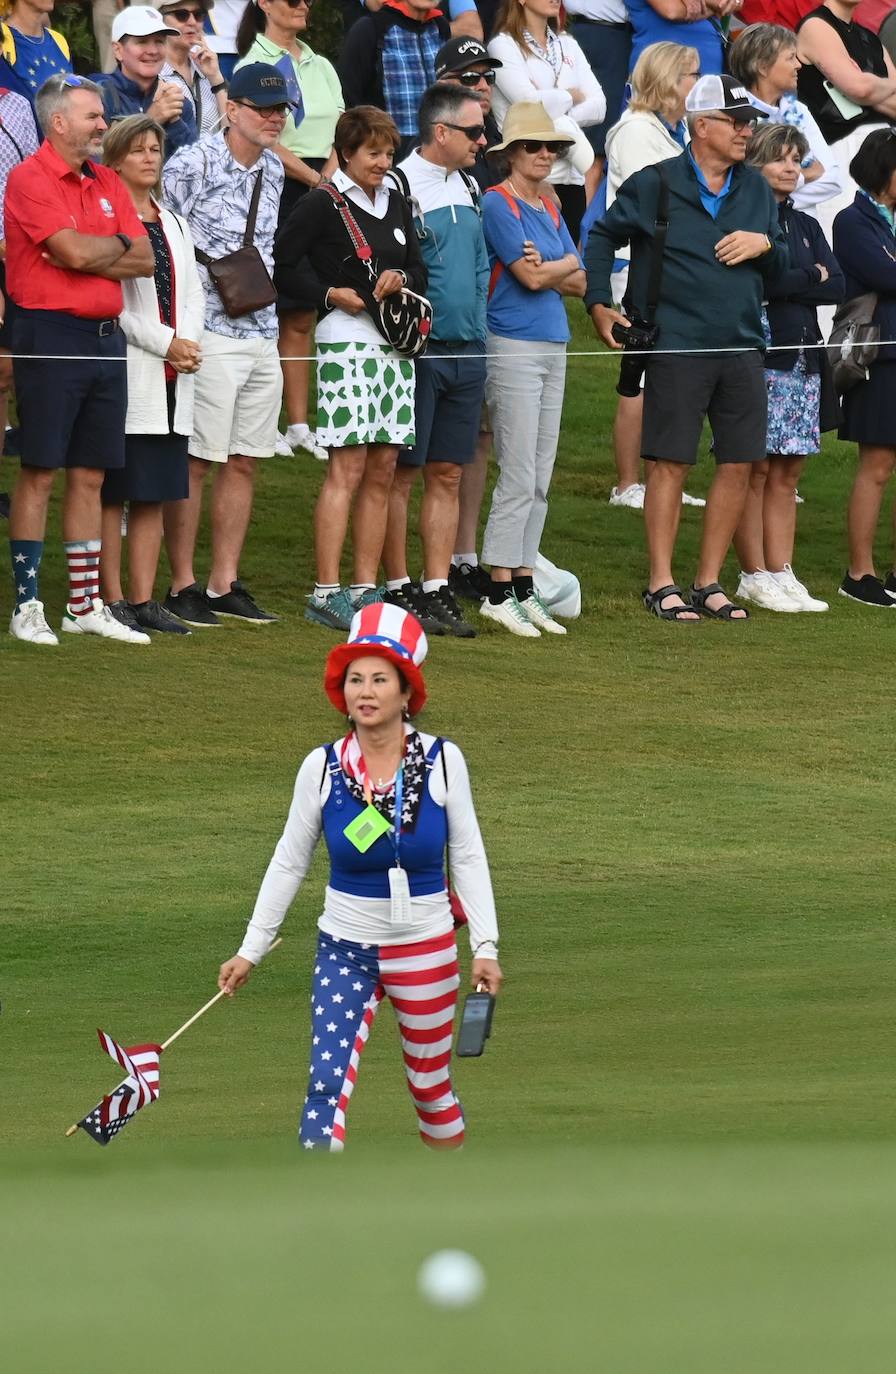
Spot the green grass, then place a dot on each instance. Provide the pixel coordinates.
(680, 1137)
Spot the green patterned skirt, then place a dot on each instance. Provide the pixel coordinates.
(365, 395)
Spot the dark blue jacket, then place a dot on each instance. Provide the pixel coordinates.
(793, 297)
(703, 304)
(122, 97)
(865, 247)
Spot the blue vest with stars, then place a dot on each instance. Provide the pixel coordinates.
(422, 849)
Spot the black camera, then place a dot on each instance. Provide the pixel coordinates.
(637, 339)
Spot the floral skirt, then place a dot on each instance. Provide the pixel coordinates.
(794, 403)
(365, 395)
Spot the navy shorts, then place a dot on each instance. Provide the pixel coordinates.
(71, 413)
(681, 390)
(608, 48)
(448, 404)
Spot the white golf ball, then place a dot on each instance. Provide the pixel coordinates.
(451, 1278)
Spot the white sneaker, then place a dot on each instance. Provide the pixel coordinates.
(511, 615)
(100, 621)
(300, 436)
(688, 500)
(29, 622)
(537, 614)
(281, 446)
(800, 500)
(763, 590)
(796, 590)
(632, 497)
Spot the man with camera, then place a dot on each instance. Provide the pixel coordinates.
(722, 241)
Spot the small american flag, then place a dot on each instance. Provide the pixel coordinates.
(139, 1089)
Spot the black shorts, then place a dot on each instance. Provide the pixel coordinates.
(681, 390)
(447, 405)
(71, 412)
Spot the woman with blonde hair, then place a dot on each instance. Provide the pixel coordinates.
(539, 62)
(651, 129)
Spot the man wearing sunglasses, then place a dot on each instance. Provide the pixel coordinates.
(239, 386)
(723, 242)
(451, 375)
(465, 62)
(138, 42)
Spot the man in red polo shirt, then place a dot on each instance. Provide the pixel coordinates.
(72, 235)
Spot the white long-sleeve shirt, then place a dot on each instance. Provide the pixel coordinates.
(528, 75)
(367, 920)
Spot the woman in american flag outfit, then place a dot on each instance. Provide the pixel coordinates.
(386, 929)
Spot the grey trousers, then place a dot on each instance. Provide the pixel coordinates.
(524, 391)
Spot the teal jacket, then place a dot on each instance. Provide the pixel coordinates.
(449, 232)
(703, 304)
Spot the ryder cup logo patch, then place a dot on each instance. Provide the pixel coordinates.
(106, 208)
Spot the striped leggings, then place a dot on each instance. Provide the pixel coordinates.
(350, 981)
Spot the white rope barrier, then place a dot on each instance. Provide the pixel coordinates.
(611, 355)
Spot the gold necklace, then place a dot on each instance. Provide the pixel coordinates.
(539, 207)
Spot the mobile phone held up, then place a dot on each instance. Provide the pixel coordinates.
(475, 1024)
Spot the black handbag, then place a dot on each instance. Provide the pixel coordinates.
(404, 318)
(241, 278)
(854, 341)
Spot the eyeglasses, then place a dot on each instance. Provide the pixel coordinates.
(471, 131)
(278, 111)
(294, 4)
(474, 78)
(532, 145)
(183, 16)
(734, 123)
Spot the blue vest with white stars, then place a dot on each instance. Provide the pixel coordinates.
(422, 850)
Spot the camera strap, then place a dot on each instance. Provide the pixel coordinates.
(660, 230)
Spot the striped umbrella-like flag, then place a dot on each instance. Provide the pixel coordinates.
(139, 1089)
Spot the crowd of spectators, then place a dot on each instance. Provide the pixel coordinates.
(185, 232)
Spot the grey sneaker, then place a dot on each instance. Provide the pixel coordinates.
(191, 605)
(335, 611)
(149, 615)
(240, 604)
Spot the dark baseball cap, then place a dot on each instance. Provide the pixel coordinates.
(460, 53)
(261, 83)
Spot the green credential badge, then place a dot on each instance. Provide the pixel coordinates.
(366, 829)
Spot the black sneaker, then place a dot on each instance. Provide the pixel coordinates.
(191, 605)
(890, 585)
(409, 597)
(4, 505)
(121, 611)
(149, 615)
(470, 581)
(238, 604)
(869, 590)
(443, 607)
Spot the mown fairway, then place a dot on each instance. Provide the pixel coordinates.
(680, 1150)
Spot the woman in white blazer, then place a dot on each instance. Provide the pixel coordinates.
(539, 63)
(163, 319)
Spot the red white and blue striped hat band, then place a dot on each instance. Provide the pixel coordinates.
(384, 631)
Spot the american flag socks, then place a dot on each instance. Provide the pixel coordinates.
(83, 574)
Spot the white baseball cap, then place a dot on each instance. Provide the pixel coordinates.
(139, 21)
(722, 94)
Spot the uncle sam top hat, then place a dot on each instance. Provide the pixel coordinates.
(383, 631)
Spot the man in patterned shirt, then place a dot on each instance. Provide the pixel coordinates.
(239, 386)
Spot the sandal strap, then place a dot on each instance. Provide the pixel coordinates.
(711, 589)
(654, 598)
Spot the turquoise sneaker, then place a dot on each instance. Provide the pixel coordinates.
(335, 611)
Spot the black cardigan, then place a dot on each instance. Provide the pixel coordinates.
(794, 295)
(313, 252)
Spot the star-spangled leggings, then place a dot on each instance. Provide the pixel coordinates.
(350, 981)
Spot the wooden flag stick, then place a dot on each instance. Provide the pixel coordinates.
(187, 1024)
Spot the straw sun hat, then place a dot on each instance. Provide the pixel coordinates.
(527, 119)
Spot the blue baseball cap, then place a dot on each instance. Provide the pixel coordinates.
(261, 83)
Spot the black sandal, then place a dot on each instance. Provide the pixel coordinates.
(653, 602)
(698, 596)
